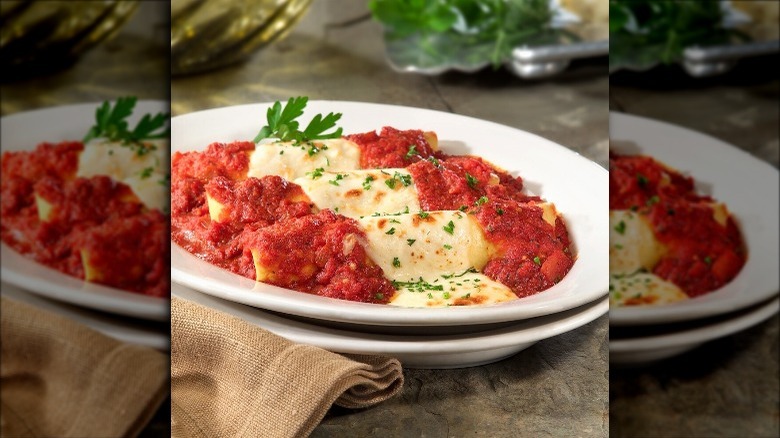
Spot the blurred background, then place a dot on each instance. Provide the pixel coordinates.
(55, 53)
(711, 67)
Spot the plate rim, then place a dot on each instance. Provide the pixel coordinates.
(504, 337)
(701, 334)
(364, 315)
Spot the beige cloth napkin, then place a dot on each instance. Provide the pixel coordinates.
(59, 378)
(231, 378)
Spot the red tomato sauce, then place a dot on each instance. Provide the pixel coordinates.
(322, 254)
(532, 254)
(391, 148)
(127, 244)
(702, 255)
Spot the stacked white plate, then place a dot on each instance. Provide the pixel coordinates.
(126, 316)
(420, 337)
(749, 187)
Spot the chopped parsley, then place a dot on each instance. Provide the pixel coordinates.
(335, 182)
(316, 173)
(406, 180)
(423, 214)
(146, 172)
(379, 296)
(641, 180)
(446, 295)
(499, 212)
(447, 246)
(417, 286)
(391, 231)
(367, 182)
(620, 227)
(390, 183)
(482, 200)
(467, 271)
(538, 261)
(396, 262)
(412, 151)
(411, 241)
(653, 200)
(449, 228)
(313, 149)
(471, 181)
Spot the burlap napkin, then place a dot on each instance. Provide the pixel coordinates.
(59, 378)
(231, 378)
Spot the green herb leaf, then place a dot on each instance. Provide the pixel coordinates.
(471, 181)
(111, 123)
(282, 124)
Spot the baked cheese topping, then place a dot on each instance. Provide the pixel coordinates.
(359, 193)
(643, 289)
(469, 288)
(146, 174)
(291, 161)
(632, 244)
(432, 258)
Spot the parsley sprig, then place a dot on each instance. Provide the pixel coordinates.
(282, 123)
(111, 123)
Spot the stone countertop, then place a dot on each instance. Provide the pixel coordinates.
(557, 387)
(727, 387)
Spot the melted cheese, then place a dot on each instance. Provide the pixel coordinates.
(643, 289)
(469, 289)
(430, 259)
(295, 161)
(632, 244)
(360, 193)
(146, 174)
(433, 250)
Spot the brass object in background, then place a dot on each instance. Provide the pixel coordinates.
(38, 37)
(208, 34)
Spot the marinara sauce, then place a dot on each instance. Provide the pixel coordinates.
(701, 254)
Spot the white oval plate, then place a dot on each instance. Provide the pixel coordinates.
(155, 335)
(747, 185)
(642, 350)
(577, 186)
(437, 352)
(23, 132)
